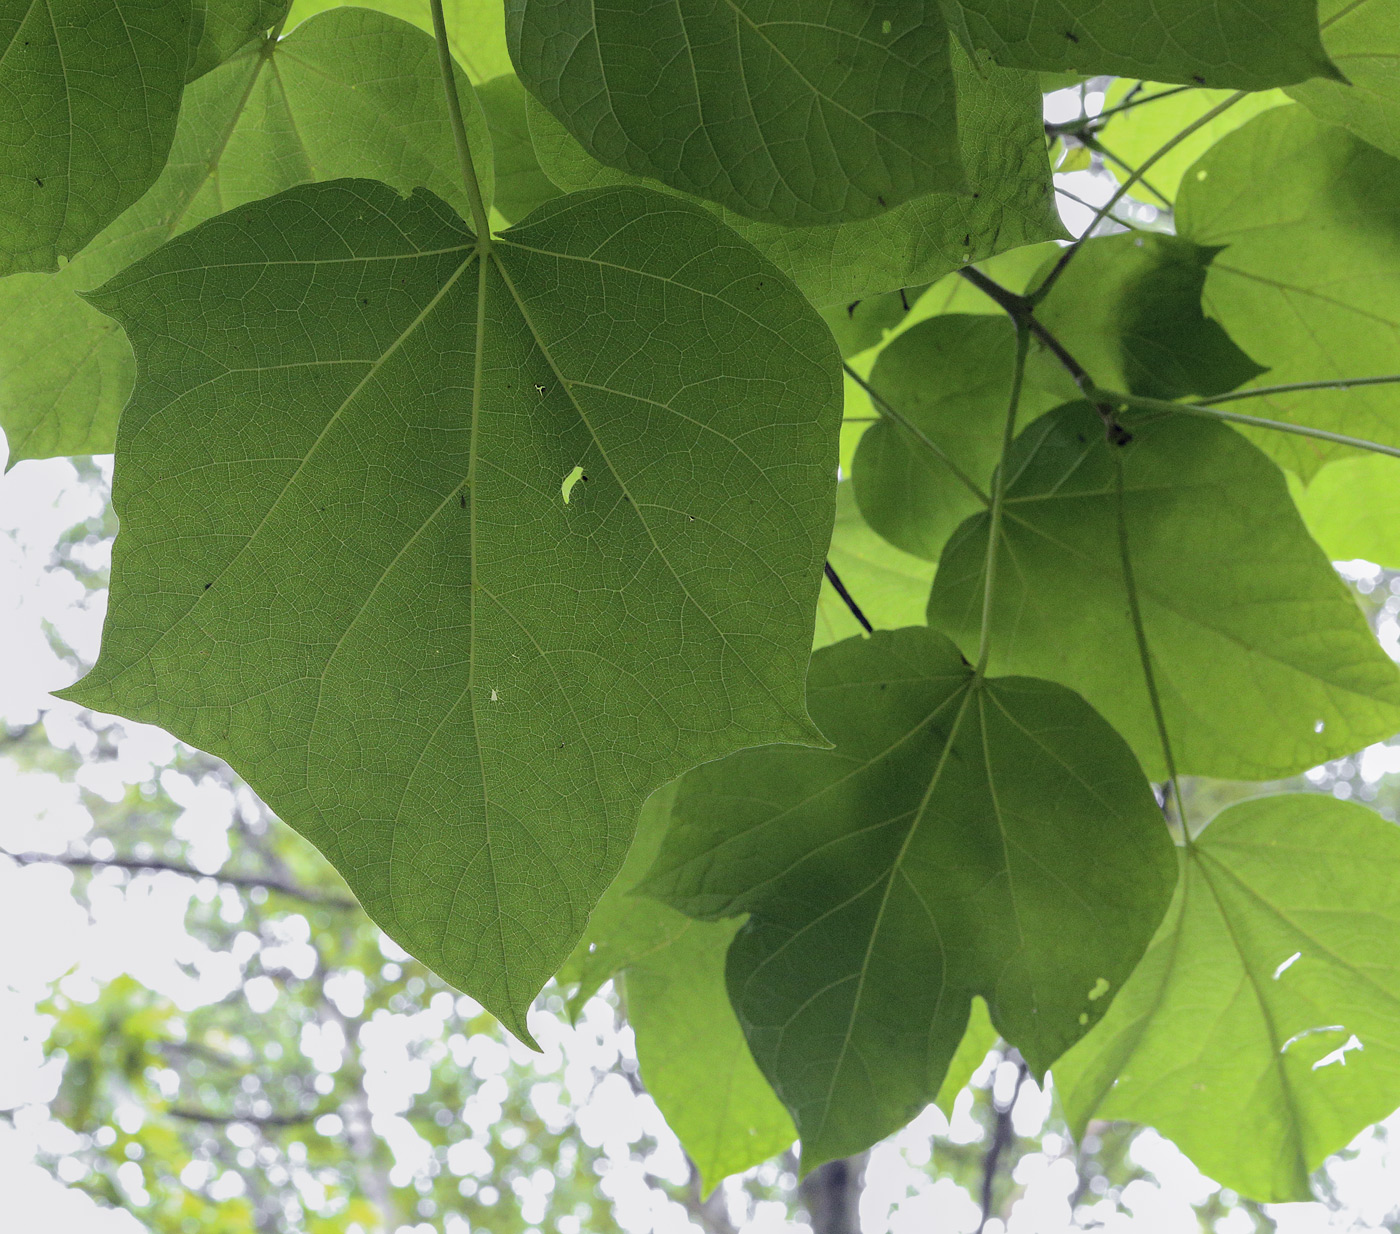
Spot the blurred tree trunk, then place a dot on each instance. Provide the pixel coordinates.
(831, 1195)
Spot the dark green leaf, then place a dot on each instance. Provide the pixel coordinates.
(1225, 43)
(1264, 662)
(951, 377)
(990, 838)
(1309, 282)
(348, 564)
(1363, 40)
(775, 109)
(891, 587)
(1260, 1030)
(1129, 308)
(352, 93)
(1010, 202)
(89, 93)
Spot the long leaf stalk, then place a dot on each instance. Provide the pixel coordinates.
(480, 219)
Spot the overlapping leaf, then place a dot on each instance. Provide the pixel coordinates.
(1363, 40)
(89, 92)
(1352, 509)
(221, 28)
(1009, 201)
(950, 377)
(347, 565)
(964, 838)
(1226, 43)
(520, 183)
(1309, 282)
(775, 109)
(1264, 663)
(1260, 1030)
(476, 29)
(1129, 308)
(352, 93)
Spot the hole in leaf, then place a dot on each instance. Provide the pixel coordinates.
(1339, 1055)
(566, 489)
(1287, 964)
(1100, 989)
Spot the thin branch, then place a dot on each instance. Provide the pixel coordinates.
(1160, 153)
(1087, 124)
(1235, 417)
(1089, 205)
(223, 1120)
(883, 406)
(459, 130)
(1291, 387)
(245, 881)
(1094, 144)
(835, 580)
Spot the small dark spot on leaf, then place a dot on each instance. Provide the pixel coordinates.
(462, 499)
(38, 181)
(977, 194)
(967, 237)
(880, 199)
(1198, 79)
(1071, 36)
(1080, 438)
(904, 298)
(851, 308)
(364, 301)
(207, 586)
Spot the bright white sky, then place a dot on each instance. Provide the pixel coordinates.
(138, 929)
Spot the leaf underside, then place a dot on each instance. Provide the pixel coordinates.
(360, 582)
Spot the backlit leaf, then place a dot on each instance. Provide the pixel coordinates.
(520, 184)
(1264, 663)
(352, 93)
(89, 92)
(1363, 40)
(1352, 509)
(1309, 282)
(1009, 202)
(1260, 1030)
(964, 838)
(349, 565)
(775, 109)
(219, 28)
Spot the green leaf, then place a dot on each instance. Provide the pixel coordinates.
(375, 602)
(891, 587)
(951, 377)
(476, 29)
(693, 1056)
(1264, 663)
(1137, 134)
(695, 1062)
(863, 324)
(1225, 43)
(1363, 40)
(775, 109)
(1268, 1002)
(1129, 309)
(352, 93)
(520, 184)
(624, 928)
(1010, 202)
(1352, 509)
(1309, 282)
(220, 28)
(89, 92)
(990, 838)
(977, 1042)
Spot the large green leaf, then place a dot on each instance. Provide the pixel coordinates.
(950, 376)
(1363, 39)
(456, 558)
(776, 109)
(476, 29)
(964, 837)
(1262, 1029)
(1264, 663)
(1224, 43)
(89, 92)
(1352, 509)
(1129, 308)
(693, 1056)
(520, 184)
(220, 28)
(890, 586)
(1010, 200)
(1309, 282)
(352, 93)
(695, 1062)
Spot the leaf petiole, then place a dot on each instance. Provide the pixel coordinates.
(459, 131)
